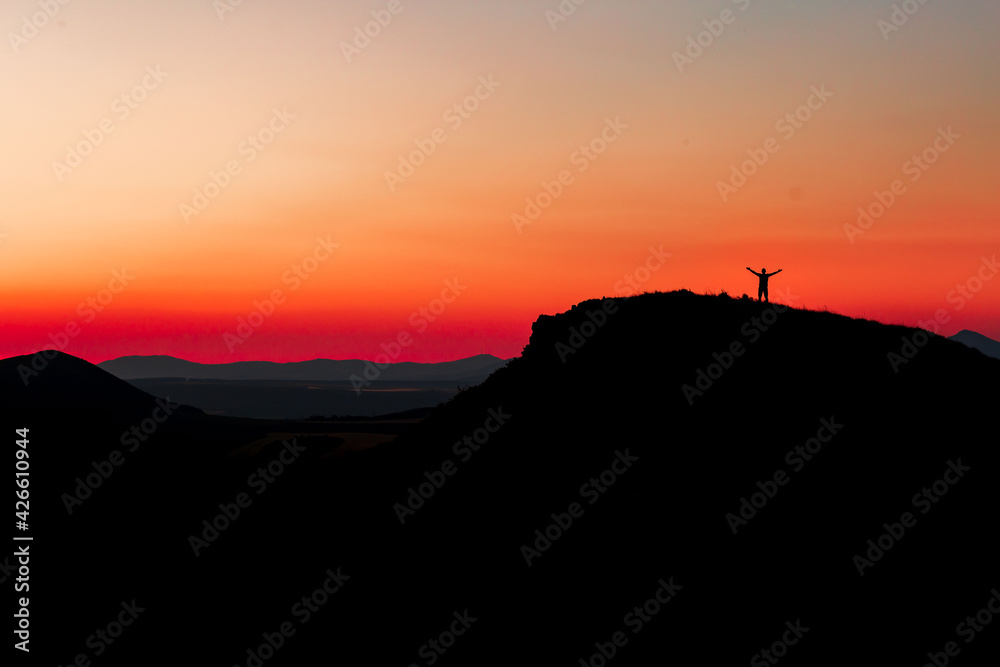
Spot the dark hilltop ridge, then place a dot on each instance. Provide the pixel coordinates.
(661, 478)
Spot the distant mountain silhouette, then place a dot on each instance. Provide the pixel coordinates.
(978, 341)
(296, 390)
(652, 448)
(466, 371)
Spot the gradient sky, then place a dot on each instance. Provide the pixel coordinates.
(64, 231)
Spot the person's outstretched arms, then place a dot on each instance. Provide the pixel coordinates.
(752, 271)
(776, 272)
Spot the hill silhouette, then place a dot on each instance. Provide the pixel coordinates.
(703, 474)
(984, 344)
(58, 379)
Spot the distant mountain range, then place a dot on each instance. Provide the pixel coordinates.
(296, 390)
(978, 341)
(471, 370)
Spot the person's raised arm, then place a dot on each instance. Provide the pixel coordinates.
(776, 272)
(752, 271)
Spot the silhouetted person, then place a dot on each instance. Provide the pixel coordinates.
(762, 285)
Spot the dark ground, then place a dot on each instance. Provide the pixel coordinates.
(663, 518)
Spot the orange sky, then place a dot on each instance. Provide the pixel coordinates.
(119, 116)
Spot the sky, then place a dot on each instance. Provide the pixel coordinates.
(223, 180)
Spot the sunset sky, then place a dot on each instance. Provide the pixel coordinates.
(212, 153)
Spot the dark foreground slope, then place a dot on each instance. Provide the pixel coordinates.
(610, 437)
